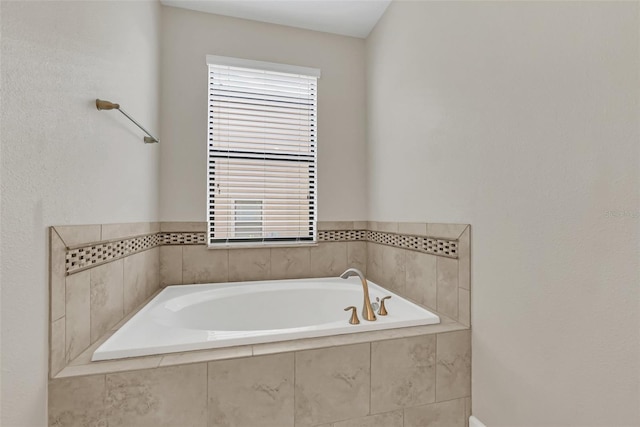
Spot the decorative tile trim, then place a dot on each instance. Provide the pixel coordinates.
(342, 235)
(81, 258)
(430, 245)
(93, 255)
(183, 238)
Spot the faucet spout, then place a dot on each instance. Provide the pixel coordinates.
(367, 311)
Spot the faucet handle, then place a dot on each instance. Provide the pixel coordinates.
(383, 309)
(354, 315)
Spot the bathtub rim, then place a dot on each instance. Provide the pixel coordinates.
(82, 364)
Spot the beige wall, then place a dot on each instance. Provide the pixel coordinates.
(64, 162)
(187, 37)
(522, 119)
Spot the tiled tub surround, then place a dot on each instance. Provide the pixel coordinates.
(87, 299)
(84, 306)
(366, 379)
(440, 283)
(411, 382)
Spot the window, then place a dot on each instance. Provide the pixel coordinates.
(262, 135)
(248, 221)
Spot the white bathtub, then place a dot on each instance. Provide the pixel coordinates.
(197, 317)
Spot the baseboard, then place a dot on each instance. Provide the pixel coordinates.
(474, 422)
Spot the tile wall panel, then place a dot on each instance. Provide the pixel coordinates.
(388, 383)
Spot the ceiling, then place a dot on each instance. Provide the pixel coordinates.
(354, 18)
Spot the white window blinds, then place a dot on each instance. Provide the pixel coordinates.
(262, 139)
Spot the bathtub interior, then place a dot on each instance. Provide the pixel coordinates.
(205, 316)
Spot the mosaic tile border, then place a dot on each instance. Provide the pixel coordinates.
(183, 238)
(93, 255)
(430, 245)
(342, 235)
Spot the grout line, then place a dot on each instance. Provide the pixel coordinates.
(437, 285)
(435, 377)
(370, 376)
(227, 252)
(104, 399)
(91, 272)
(181, 264)
(294, 385)
(123, 293)
(207, 394)
(445, 401)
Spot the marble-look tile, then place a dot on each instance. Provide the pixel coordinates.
(249, 264)
(403, 373)
(464, 259)
(387, 227)
(357, 256)
(389, 419)
(332, 384)
(132, 313)
(360, 225)
(445, 325)
(257, 391)
(206, 355)
(453, 365)
(335, 225)
(393, 269)
(464, 307)
(444, 414)
(85, 357)
(328, 259)
(152, 261)
(203, 265)
(413, 228)
(170, 265)
(173, 396)
(141, 277)
(445, 231)
(56, 275)
(447, 282)
(374, 263)
(77, 402)
(191, 227)
(57, 359)
(126, 230)
(78, 317)
(421, 278)
(77, 235)
(290, 263)
(107, 302)
(110, 366)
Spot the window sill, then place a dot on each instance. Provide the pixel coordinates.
(262, 245)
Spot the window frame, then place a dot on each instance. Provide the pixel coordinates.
(267, 155)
